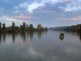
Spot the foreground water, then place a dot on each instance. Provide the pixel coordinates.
(40, 46)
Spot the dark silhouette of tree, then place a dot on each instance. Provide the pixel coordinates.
(3, 28)
(0, 24)
(13, 26)
(21, 27)
(27, 28)
(24, 24)
(46, 29)
(3, 25)
(31, 27)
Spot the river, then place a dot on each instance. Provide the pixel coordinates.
(40, 46)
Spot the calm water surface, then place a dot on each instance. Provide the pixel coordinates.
(40, 46)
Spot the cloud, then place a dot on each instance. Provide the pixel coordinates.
(1, 9)
(8, 20)
(15, 17)
(74, 5)
(40, 11)
(34, 6)
(74, 18)
(30, 7)
(49, 11)
(23, 17)
(70, 5)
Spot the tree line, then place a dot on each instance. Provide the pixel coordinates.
(22, 28)
(73, 28)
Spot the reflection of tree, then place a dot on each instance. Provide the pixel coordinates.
(27, 34)
(13, 37)
(79, 34)
(61, 37)
(31, 35)
(39, 33)
(23, 36)
(46, 32)
(4, 36)
(0, 37)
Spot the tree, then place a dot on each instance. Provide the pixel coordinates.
(39, 27)
(0, 24)
(46, 28)
(4, 28)
(3, 25)
(0, 27)
(27, 26)
(24, 25)
(31, 27)
(21, 27)
(13, 26)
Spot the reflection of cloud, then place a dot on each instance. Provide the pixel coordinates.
(33, 54)
(71, 50)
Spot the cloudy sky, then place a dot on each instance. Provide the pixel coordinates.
(49, 13)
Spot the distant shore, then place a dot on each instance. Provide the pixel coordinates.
(73, 28)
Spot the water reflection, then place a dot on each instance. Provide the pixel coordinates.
(0, 37)
(4, 37)
(79, 35)
(13, 37)
(31, 35)
(39, 34)
(48, 49)
(23, 35)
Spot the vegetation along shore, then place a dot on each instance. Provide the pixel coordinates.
(22, 28)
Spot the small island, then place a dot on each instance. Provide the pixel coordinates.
(22, 28)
